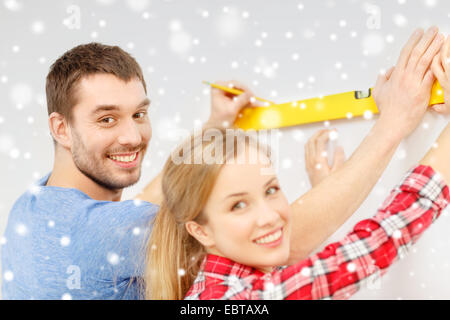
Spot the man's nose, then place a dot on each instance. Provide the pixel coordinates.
(130, 134)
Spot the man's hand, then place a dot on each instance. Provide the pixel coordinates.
(226, 106)
(441, 70)
(402, 94)
(316, 157)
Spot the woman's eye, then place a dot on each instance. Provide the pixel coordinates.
(238, 205)
(272, 190)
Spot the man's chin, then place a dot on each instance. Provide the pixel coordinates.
(125, 182)
(121, 180)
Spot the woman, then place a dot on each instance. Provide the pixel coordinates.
(224, 226)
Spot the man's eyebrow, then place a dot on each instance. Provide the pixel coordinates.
(145, 102)
(112, 107)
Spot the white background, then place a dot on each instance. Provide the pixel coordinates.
(284, 50)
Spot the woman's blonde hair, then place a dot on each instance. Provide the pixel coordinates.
(173, 256)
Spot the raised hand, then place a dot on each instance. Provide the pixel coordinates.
(402, 94)
(316, 157)
(441, 70)
(225, 106)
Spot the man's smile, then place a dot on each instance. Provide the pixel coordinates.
(125, 160)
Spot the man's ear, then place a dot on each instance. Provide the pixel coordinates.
(59, 129)
(201, 233)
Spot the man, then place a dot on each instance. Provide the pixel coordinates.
(72, 237)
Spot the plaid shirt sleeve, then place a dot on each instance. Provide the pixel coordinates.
(364, 254)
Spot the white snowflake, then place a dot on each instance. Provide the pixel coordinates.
(400, 20)
(8, 275)
(38, 27)
(298, 135)
(64, 241)
(373, 44)
(21, 229)
(333, 135)
(401, 154)
(204, 14)
(286, 163)
(368, 115)
(351, 267)
(13, 5)
(309, 33)
(34, 189)
(430, 3)
(136, 231)
(397, 234)
(390, 38)
(21, 94)
(113, 258)
(137, 5)
(14, 153)
(306, 272)
(66, 296)
(229, 23)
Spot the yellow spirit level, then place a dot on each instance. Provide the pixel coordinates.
(331, 107)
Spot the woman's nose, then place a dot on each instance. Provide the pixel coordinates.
(267, 215)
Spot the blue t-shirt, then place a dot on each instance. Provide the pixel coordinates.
(61, 244)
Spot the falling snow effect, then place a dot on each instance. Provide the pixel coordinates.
(306, 51)
(113, 258)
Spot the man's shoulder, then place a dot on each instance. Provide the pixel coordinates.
(39, 201)
(39, 198)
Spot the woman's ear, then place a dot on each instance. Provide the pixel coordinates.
(59, 129)
(200, 232)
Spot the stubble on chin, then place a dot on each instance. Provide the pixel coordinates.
(103, 172)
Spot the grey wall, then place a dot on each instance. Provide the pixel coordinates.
(284, 50)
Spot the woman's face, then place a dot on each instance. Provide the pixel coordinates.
(248, 216)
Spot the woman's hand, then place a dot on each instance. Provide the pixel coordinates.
(403, 93)
(316, 157)
(441, 70)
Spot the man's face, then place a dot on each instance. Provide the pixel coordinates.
(110, 130)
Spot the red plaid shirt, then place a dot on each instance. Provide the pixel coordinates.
(342, 267)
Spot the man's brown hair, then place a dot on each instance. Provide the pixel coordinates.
(81, 61)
